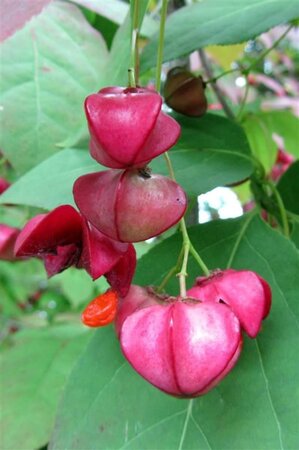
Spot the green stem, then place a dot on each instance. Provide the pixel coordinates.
(243, 101)
(165, 280)
(173, 271)
(222, 74)
(169, 166)
(182, 275)
(135, 15)
(133, 71)
(254, 63)
(192, 250)
(161, 45)
(131, 77)
(282, 210)
(208, 69)
(187, 244)
(199, 261)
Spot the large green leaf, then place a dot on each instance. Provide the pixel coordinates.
(260, 129)
(212, 151)
(78, 287)
(50, 184)
(116, 11)
(217, 22)
(295, 233)
(288, 187)
(17, 14)
(21, 279)
(259, 136)
(48, 68)
(33, 373)
(285, 124)
(106, 405)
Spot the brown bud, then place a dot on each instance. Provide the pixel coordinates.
(184, 92)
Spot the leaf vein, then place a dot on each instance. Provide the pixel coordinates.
(201, 431)
(269, 395)
(238, 241)
(160, 422)
(274, 278)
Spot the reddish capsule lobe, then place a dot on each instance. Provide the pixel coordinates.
(101, 311)
(182, 346)
(128, 127)
(129, 205)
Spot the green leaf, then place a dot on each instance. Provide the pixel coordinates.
(78, 287)
(17, 15)
(260, 138)
(286, 125)
(107, 405)
(116, 11)
(203, 160)
(212, 151)
(8, 304)
(21, 279)
(288, 187)
(260, 128)
(295, 233)
(217, 22)
(33, 373)
(48, 68)
(50, 183)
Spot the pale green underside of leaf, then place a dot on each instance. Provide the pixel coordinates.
(203, 159)
(116, 11)
(33, 373)
(48, 68)
(217, 22)
(106, 405)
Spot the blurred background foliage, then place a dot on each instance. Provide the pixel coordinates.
(78, 47)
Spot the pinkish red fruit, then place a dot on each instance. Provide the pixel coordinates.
(63, 238)
(44, 232)
(244, 291)
(283, 162)
(127, 126)
(130, 205)
(183, 347)
(8, 236)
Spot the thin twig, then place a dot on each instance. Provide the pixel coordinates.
(214, 86)
(265, 53)
(161, 44)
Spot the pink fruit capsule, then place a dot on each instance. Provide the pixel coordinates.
(127, 126)
(130, 205)
(183, 347)
(63, 238)
(244, 291)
